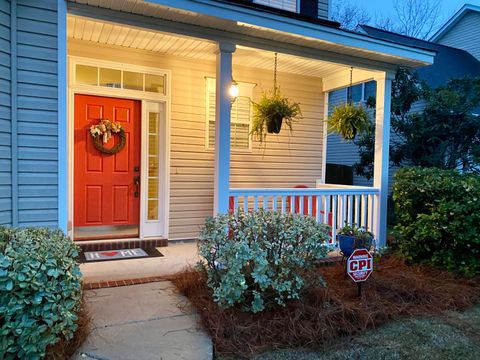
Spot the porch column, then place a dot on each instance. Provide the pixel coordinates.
(381, 161)
(222, 127)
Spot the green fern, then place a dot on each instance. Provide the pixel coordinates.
(270, 106)
(348, 121)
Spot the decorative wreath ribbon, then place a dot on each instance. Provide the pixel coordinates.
(103, 131)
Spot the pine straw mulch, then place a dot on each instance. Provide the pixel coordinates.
(64, 348)
(323, 315)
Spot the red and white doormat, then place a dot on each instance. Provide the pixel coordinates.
(122, 254)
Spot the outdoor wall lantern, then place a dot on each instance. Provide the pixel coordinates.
(233, 91)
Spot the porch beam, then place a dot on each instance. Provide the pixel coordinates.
(381, 159)
(215, 35)
(222, 127)
(341, 79)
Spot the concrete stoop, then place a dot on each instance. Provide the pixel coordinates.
(143, 322)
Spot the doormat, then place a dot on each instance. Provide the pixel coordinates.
(121, 254)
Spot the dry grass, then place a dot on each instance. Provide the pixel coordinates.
(324, 315)
(64, 348)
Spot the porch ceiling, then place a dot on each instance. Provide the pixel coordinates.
(96, 31)
(222, 21)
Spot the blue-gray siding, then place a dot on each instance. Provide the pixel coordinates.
(5, 117)
(346, 153)
(34, 118)
(339, 151)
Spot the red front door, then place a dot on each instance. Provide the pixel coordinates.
(106, 195)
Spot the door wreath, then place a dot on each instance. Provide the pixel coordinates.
(103, 131)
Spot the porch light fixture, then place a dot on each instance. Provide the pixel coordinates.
(233, 91)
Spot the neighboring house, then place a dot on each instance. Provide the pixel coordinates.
(149, 66)
(449, 63)
(462, 30)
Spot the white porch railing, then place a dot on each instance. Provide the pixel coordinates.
(335, 205)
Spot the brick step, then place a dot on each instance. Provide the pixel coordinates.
(117, 244)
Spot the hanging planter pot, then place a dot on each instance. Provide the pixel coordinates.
(272, 111)
(274, 124)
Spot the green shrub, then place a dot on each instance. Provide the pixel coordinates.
(40, 290)
(263, 259)
(438, 214)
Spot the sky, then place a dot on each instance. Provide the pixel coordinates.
(448, 7)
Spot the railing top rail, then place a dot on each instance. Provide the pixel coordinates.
(303, 192)
(338, 186)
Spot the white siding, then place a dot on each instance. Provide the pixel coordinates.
(465, 34)
(288, 160)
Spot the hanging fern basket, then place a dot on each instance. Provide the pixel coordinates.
(348, 120)
(272, 111)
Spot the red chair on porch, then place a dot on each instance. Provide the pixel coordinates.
(304, 211)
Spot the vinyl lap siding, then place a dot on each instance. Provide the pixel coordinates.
(37, 113)
(465, 34)
(5, 117)
(287, 160)
(339, 151)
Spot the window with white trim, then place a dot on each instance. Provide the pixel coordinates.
(241, 116)
(289, 5)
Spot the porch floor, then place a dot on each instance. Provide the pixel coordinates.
(177, 256)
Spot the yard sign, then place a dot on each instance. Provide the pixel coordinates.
(360, 265)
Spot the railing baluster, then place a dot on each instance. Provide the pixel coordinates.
(364, 210)
(235, 204)
(350, 209)
(317, 208)
(334, 220)
(300, 204)
(370, 213)
(327, 210)
(309, 209)
(292, 204)
(255, 202)
(245, 203)
(274, 202)
(284, 204)
(357, 210)
(341, 216)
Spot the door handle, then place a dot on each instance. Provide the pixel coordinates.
(136, 183)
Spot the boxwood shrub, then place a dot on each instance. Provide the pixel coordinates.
(438, 215)
(260, 259)
(40, 290)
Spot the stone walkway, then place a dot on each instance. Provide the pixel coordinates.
(142, 322)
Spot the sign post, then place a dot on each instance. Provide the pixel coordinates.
(360, 266)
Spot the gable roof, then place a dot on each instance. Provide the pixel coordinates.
(454, 19)
(449, 62)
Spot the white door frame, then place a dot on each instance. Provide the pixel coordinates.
(148, 100)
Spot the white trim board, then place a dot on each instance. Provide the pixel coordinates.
(148, 100)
